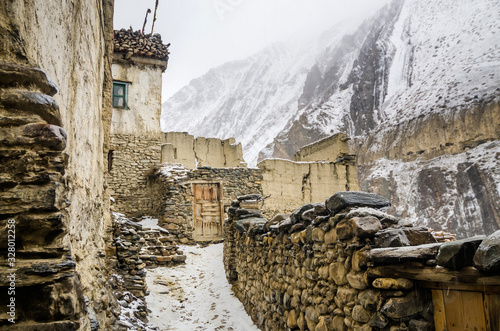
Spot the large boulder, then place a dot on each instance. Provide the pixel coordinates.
(342, 200)
(487, 257)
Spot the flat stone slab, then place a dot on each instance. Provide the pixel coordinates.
(342, 200)
(245, 224)
(455, 255)
(403, 237)
(249, 197)
(381, 256)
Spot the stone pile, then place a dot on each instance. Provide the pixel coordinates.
(139, 44)
(311, 270)
(137, 248)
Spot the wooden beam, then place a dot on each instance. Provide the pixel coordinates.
(468, 275)
(460, 286)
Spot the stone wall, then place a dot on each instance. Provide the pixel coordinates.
(53, 179)
(136, 248)
(291, 184)
(131, 156)
(172, 193)
(183, 148)
(328, 149)
(308, 271)
(347, 265)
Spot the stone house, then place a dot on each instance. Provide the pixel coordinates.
(192, 202)
(138, 63)
(318, 170)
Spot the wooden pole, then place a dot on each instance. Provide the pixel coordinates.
(154, 16)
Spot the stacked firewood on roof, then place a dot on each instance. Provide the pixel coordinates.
(139, 44)
(442, 236)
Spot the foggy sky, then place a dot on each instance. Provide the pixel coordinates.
(207, 33)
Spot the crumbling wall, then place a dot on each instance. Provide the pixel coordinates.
(328, 149)
(290, 184)
(183, 148)
(172, 194)
(53, 179)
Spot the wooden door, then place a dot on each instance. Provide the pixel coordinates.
(466, 310)
(207, 211)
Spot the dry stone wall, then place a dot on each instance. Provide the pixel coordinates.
(172, 193)
(308, 270)
(130, 158)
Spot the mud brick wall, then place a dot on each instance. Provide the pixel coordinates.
(172, 194)
(131, 156)
(308, 270)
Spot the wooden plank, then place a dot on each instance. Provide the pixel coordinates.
(464, 311)
(439, 310)
(473, 311)
(492, 311)
(467, 275)
(453, 308)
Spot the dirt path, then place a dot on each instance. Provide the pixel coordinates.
(195, 296)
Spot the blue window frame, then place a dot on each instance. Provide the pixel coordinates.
(120, 94)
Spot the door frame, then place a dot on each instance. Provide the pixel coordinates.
(221, 206)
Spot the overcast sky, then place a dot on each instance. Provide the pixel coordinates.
(207, 33)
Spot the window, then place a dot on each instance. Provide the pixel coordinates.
(120, 95)
(110, 160)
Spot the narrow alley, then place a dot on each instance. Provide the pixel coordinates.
(195, 296)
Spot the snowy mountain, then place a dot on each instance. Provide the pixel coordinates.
(250, 99)
(417, 87)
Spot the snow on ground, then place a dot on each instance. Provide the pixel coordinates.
(149, 222)
(195, 296)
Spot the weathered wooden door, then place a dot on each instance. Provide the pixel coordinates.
(207, 211)
(465, 310)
